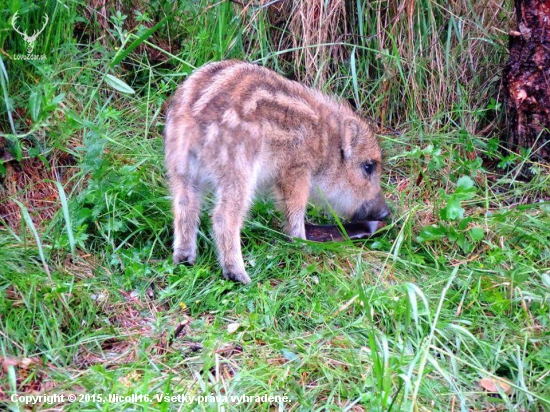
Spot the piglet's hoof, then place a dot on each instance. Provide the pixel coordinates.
(181, 256)
(236, 276)
(332, 233)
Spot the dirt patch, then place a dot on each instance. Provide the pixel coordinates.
(31, 375)
(31, 182)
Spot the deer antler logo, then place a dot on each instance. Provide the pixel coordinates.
(29, 40)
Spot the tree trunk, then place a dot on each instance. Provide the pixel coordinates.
(527, 79)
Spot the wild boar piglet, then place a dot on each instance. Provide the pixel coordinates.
(237, 127)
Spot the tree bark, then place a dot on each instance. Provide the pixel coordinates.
(527, 79)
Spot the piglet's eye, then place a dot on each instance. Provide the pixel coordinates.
(369, 167)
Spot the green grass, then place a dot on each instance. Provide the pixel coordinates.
(456, 290)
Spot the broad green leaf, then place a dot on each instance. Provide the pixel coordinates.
(463, 224)
(452, 234)
(232, 327)
(431, 233)
(464, 244)
(17, 151)
(453, 210)
(291, 356)
(477, 233)
(118, 85)
(52, 105)
(464, 183)
(35, 103)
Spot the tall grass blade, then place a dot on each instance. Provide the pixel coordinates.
(354, 77)
(66, 216)
(4, 83)
(30, 223)
(427, 345)
(122, 54)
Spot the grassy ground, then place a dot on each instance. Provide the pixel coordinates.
(447, 310)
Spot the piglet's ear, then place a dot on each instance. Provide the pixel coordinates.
(351, 133)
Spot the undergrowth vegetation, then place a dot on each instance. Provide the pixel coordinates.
(446, 310)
